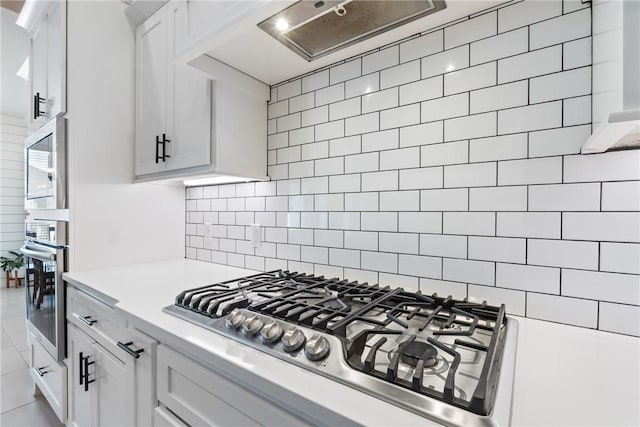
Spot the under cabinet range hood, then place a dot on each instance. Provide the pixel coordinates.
(616, 81)
(313, 29)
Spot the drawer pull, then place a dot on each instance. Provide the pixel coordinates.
(133, 353)
(40, 371)
(87, 320)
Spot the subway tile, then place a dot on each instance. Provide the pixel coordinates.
(346, 71)
(472, 78)
(313, 220)
(530, 64)
(344, 183)
(445, 108)
(530, 171)
(527, 12)
(504, 147)
(288, 219)
(277, 140)
(565, 197)
(512, 198)
(408, 283)
(620, 257)
(362, 276)
(545, 280)
(289, 154)
(362, 85)
(331, 166)
(303, 267)
(563, 253)
(428, 133)
(383, 59)
(379, 261)
(277, 203)
(447, 153)
(514, 301)
(611, 287)
(328, 271)
(228, 190)
(542, 225)
(342, 109)
(443, 245)
(329, 130)
(330, 94)
(344, 258)
(317, 150)
(571, 311)
(246, 189)
(402, 158)
(420, 222)
(278, 109)
(204, 205)
(235, 232)
(400, 201)
(500, 46)
(267, 219)
(469, 223)
(443, 288)
(475, 126)
(473, 29)
(421, 178)
(612, 166)
(289, 252)
(266, 249)
(498, 249)
(576, 111)
(383, 140)
(227, 245)
(419, 47)
(315, 116)
(344, 146)
(301, 169)
(445, 200)
(211, 192)
(444, 62)
(365, 240)
(398, 242)
(315, 81)
(291, 121)
(472, 175)
(344, 220)
(302, 102)
(421, 266)
(621, 196)
(301, 136)
(361, 202)
(421, 90)
(399, 117)
(271, 157)
(362, 124)
(254, 203)
(379, 221)
(379, 100)
(289, 186)
(290, 89)
(361, 163)
(621, 319)
(244, 218)
(400, 74)
(300, 236)
(561, 85)
(272, 126)
(196, 192)
(561, 29)
(195, 217)
(329, 202)
(461, 270)
(314, 185)
(577, 53)
(609, 226)
(530, 118)
(301, 203)
(314, 254)
(499, 97)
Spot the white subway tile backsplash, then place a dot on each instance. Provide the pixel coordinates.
(609, 226)
(301, 203)
(498, 199)
(277, 140)
(561, 29)
(278, 109)
(421, 178)
(462, 270)
(361, 202)
(445, 108)
(564, 197)
(620, 257)
(512, 146)
(428, 133)
(499, 97)
(301, 169)
(277, 203)
(289, 154)
(408, 283)
(400, 201)
(289, 90)
(470, 30)
(399, 117)
(545, 280)
(420, 222)
(346, 71)
(379, 261)
(469, 223)
(448, 153)
(577, 53)
(301, 136)
(612, 166)
(530, 171)
(362, 124)
(621, 319)
(329, 202)
(365, 240)
(315, 116)
(443, 288)
(578, 312)
(379, 221)
(421, 90)
(383, 59)
(344, 146)
(344, 183)
(621, 196)
(514, 301)
(472, 175)
(361, 163)
(330, 130)
(379, 100)
(317, 150)
(476, 126)
(530, 64)
(289, 122)
(344, 257)
(500, 46)
(543, 225)
(314, 254)
(400, 74)
(576, 111)
(612, 287)
(362, 85)
(532, 117)
(302, 102)
(559, 141)
(313, 220)
(419, 47)
(445, 200)
(342, 109)
(526, 13)
(330, 94)
(563, 253)
(560, 85)
(444, 62)
(402, 158)
(472, 78)
(383, 140)
(421, 266)
(497, 249)
(344, 220)
(289, 186)
(443, 245)
(315, 81)
(402, 243)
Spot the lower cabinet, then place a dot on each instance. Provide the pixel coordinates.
(49, 376)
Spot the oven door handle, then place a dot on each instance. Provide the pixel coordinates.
(48, 255)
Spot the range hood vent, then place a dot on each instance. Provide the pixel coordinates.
(313, 29)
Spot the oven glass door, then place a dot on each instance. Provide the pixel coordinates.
(40, 169)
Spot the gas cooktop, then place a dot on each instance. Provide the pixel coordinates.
(449, 360)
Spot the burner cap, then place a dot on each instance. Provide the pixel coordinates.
(416, 350)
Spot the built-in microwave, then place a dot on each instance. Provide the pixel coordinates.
(45, 184)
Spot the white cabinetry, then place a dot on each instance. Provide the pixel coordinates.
(108, 384)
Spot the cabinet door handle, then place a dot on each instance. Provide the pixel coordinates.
(164, 147)
(40, 371)
(133, 353)
(80, 361)
(157, 143)
(87, 320)
(87, 381)
(37, 100)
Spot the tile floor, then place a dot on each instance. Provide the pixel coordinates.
(18, 406)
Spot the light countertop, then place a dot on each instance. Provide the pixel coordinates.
(564, 375)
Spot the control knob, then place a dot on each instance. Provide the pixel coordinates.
(234, 319)
(271, 332)
(317, 347)
(293, 340)
(252, 326)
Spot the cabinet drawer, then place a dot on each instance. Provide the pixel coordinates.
(164, 418)
(50, 377)
(200, 396)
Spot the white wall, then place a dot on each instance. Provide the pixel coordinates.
(448, 163)
(112, 220)
(14, 49)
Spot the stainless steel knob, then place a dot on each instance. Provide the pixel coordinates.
(252, 326)
(317, 347)
(271, 332)
(293, 340)
(234, 319)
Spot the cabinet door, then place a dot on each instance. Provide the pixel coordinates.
(79, 346)
(56, 59)
(38, 78)
(151, 92)
(114, 390)
(188, 101)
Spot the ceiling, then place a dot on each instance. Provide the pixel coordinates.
(14, 5)
(249, 49)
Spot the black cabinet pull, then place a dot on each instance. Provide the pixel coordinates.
(157, 143)
(133, 353)
(87, 320)
(164, 147)
(40, 371)
(87, 381)
(81, 375)
(37, 100)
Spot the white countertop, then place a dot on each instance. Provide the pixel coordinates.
(564, 375)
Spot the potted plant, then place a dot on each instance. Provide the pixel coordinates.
(12, 264)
